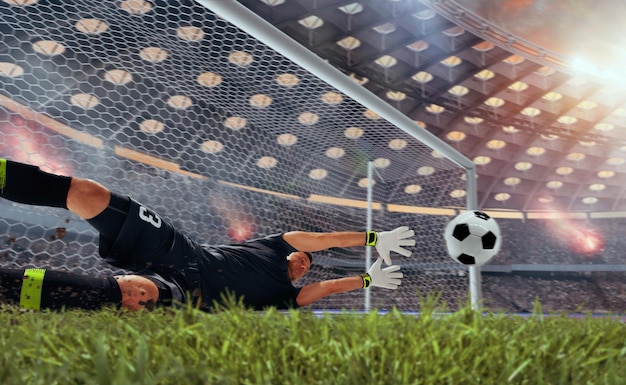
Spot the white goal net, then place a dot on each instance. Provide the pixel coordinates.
(230, 140)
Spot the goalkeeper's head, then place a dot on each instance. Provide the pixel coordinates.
(298, 264)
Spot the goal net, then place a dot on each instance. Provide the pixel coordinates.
(228, 139)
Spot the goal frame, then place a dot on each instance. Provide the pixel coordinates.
(238, 15)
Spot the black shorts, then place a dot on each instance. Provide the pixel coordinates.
(148, 245)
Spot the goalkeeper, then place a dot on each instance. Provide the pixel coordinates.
(166, 266)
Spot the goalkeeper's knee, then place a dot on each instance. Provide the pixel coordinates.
(138, 292)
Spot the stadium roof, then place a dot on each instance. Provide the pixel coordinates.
(536, 101)
(531, 91)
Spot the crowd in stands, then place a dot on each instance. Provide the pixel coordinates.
(597, 292)
(554, 241)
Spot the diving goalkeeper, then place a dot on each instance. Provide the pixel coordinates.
(167, 266)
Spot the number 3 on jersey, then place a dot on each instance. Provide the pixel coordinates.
(149, 217)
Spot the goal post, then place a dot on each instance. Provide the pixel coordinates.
(248, 21)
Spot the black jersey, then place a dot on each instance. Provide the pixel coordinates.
(255, 271)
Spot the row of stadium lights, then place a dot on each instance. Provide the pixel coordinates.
(422, 78)
(240, 58)
(209, 79)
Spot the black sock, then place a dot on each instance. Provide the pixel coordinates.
(47, 289)
(27, 184)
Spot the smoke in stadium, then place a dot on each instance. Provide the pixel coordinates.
(579, 236)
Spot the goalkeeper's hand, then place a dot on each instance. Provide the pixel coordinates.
(388, 241)
(389, 277)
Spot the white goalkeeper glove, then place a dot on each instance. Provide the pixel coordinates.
(389, 241)
(389, 277)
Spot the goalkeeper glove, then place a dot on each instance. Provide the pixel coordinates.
(389, 277)
(388, 241)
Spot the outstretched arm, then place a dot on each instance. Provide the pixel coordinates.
(389, 278)
(314, 291)
(305, 241)
(385, 242)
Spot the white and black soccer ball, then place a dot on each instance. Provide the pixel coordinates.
(473, 238)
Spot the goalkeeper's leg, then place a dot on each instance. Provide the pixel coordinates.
(28, 184)
(105, 211)
(90, 200)
(48, 289)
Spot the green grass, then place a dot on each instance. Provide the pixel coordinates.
(236, 346)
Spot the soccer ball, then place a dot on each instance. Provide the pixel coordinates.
(472, 238)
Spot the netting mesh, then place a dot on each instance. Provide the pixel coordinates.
(167, 103)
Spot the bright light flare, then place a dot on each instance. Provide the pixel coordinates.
(240, 231)
(240, 226)
(587, 241)
(579, 237)
(609, 70)
(29, 142)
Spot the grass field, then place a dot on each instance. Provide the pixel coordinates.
(236, 346)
